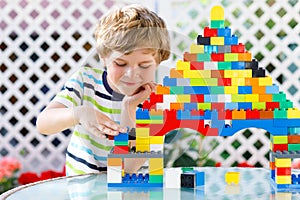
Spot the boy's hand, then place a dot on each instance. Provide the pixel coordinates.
(140, 95)
(96, 122)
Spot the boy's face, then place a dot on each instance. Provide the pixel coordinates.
(127, 73)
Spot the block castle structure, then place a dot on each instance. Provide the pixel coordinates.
(217, 89)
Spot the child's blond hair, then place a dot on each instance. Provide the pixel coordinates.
(132, 27)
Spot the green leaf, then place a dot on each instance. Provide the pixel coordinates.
(184, 161)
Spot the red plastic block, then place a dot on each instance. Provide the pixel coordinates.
(252, 114)
(240, 48)
(218, 106)
(280, 147)
(197, 113)
(210, 32)
(224, 81)
(217, 57)
(196, 65)
(282, 171)
(272, 105)
(121, 150)
(266, 114)
(157, 98)
(197, 98)
(228, 114)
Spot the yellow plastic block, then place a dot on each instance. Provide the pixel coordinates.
(184, 98)
(232, 177)
(156, 166)
(204, 82)
(217, 13)
(283, 195)
(239, 114)
(231, 73)
(143, 148)
(246, 73)
(181, 65)
(230, 57)
(142, 132)
(283, 162)
(238, 81)
(142, 141)
(293, 113)
(238, 97)
(157, 139)
(194, 48)
(283, 179)
(196, 74)
(174, 73)
(264, 81)
(280, 139)
(216, 40)
(231, 89)
(251, 98)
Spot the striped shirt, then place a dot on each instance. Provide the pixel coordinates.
(87, 153)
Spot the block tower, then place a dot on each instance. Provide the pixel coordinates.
(217, 90)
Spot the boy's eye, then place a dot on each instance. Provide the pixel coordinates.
(145, 66)
(120, 64)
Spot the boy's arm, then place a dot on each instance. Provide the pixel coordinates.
(56, 117)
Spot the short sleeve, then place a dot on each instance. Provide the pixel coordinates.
(72, 92)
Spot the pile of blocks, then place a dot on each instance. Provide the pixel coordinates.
(217, 90)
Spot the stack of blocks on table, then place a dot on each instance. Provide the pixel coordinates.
(217, 90)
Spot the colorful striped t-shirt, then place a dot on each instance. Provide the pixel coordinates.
(87, 153)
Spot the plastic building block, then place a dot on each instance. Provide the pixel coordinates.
(192, 179)
(232, 177)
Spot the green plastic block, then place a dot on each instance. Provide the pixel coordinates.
(204, 106)
(237, 98)
(204, 81)
(224, 65)
(217, 23)
(293, 147)
(156, 178)
(176, 89)
(281, 97)
(186, 169)
(217, 90)
(286, 104)
(259, 105)
(121, 143)
(203, 57)
(280, 114)
(156, 117)
(230, 57)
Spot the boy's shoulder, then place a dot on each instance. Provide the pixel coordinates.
(92, 69)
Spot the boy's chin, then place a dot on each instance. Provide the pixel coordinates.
(130, 91)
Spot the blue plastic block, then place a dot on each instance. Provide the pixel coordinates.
(196, 90)
(273, 174)
(121, 137)
(237, 65)
(200, 178)
(207, 114)
(231, 40)
(274, 89)
(136, 185)
(245, 89)
(286, 123)
(210, 49)
(142, 114)
(245, 105)
(225, 32)
(169, 81)
(231, 106)
(190, 106)
(183, 114)
(210, 98)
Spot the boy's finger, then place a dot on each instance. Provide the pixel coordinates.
(113, 126)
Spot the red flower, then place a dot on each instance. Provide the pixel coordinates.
(244, 164)
(218, 164)
(50, 174)
(28, 177)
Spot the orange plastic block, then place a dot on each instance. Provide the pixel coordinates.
(217, 74)
(162, 89)
(251, 82)
(239, 114)
(294, 139)
(156, 112)
(189, 56)
(266, 114)
(176, 73)
(114, 161)
(272, 165)
(245, 56)
(259, 89)
(265, 98)
(176, 106)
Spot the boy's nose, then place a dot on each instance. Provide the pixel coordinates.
(132, 72)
